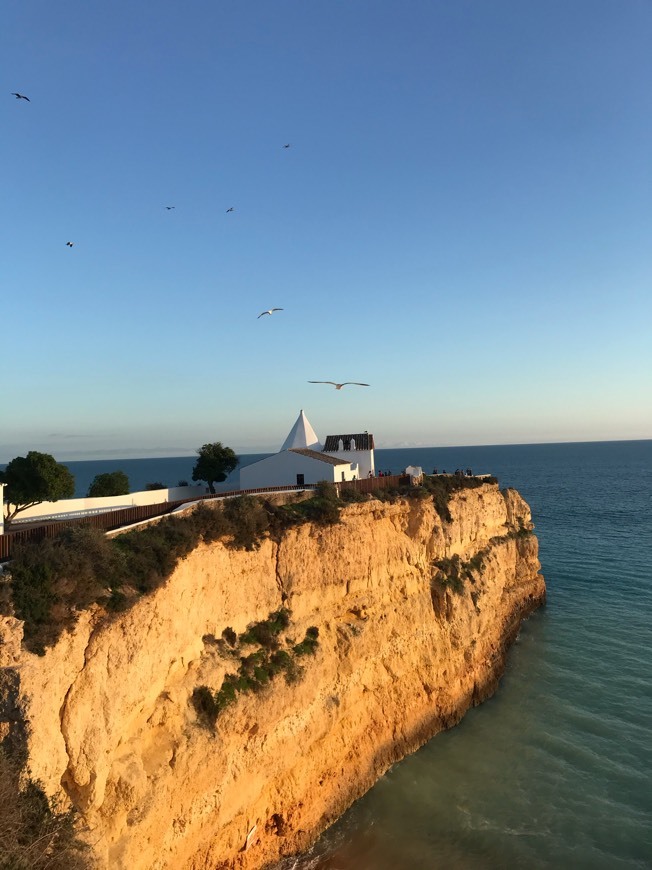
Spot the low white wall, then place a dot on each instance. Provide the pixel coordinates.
(73, 507)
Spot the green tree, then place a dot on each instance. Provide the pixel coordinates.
(33, 479)
(214, 464)
(110, 483)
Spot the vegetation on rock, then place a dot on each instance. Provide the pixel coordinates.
(257, 669)
(51, 581)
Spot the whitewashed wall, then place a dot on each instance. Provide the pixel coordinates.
(282, 468)
(81, 506)
(363, 458)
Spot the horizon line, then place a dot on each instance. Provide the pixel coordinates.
(141, 453)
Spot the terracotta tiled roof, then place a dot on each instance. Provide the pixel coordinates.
(313, 454)
(363, 441)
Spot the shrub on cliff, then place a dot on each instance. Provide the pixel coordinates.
(52, 580)
(248, 521)
(34, 834)
(257, 669)
(442, 487)
(323, 508)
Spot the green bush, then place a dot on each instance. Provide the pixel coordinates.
(248, 521)
(309, 644)
(351, 494)
(323, 508)
(52, 579)
(265, 633)
(257, 669)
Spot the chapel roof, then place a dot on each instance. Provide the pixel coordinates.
(314, 454)
(363, 441)
(302, 435)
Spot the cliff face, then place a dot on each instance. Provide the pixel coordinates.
(401, 655)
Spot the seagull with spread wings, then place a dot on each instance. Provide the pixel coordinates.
(230, 209)
(339, 386)
(170, 207)
(269, 311)
(20, 96)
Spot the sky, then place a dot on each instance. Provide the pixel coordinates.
(463, 220)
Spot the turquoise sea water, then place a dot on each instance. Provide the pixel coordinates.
(555, 771)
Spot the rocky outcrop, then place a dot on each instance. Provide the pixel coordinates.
(401, 656)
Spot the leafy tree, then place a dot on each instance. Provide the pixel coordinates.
(156, 484)
(214, 464)
(33, 479)
(110, 483)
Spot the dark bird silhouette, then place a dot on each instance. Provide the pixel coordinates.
(269, 311)
(70, 244)
(170, 207)
(20, 97)
(287, 146)
(339, 386)
(230, 209)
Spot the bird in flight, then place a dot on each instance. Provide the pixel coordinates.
(269, 311)
(70, 244)
(339, 386)
(230, 209)
(20, 96)
(170, 207)
(287, 146)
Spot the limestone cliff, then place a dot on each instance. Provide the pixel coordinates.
(401, 656)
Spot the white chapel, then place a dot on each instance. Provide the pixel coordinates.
(302, 459)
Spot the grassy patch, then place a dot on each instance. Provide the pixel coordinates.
(453, 573)
(257, 669)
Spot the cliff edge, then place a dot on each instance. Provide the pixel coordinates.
(414, 618)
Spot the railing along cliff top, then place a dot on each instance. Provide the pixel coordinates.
(112, 520)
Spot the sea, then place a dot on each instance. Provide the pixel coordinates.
(554, 771)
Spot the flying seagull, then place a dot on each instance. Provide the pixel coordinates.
(170, 207)
(20, 96)
(70, 244)
(339, 386)
(287, 146)
(230, 209)
(269, 311)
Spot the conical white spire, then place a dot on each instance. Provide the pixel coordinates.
(301, 435)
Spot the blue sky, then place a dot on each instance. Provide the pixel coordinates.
(463, 220)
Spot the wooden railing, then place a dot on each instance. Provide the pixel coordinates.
(371, 484)
(122, 517)
(112, 520)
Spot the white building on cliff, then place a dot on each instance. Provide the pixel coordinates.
(302, 460)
